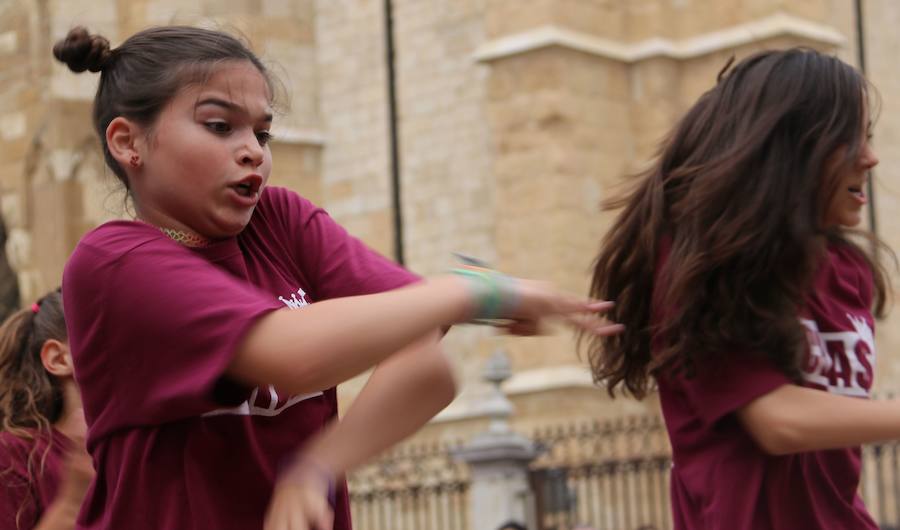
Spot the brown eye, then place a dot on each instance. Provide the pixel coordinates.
(264, 137)
(219, 127)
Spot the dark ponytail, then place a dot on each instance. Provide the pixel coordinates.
(29, 397)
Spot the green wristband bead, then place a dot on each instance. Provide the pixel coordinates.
(495, 294)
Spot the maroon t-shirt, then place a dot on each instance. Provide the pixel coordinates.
(153, 325)
(721, 480)
(24, 497)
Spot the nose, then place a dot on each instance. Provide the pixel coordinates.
(867, 157)
(251, 153)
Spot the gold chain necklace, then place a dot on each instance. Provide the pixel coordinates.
(188, 239)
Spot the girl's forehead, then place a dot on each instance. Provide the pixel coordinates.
(240, 83)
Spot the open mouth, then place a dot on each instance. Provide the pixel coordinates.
(249, 186)
(245, 189)
(859, 193)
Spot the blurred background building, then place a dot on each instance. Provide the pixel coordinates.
(492, 128)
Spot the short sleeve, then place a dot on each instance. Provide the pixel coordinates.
(336, 263)
(724, 383)
(718, 390)
(152, 328)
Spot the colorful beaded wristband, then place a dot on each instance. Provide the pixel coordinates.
(495, 293)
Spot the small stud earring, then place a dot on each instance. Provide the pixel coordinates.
(135, 161)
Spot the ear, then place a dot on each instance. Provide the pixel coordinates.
(56, 359)
(125, 139)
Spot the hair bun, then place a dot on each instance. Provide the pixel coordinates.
(82, 51)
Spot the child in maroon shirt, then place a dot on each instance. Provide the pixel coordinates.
(747, 303)
(44, 469)
(208, 334)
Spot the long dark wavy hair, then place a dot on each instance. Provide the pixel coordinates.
(739, 191)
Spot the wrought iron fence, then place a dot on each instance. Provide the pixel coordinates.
(615, 476)
(880, 484)
(610, 475)
(415, 487)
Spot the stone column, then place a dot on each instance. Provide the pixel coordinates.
(498, 459)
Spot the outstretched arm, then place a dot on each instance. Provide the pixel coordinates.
(794, 419)
(331, 341)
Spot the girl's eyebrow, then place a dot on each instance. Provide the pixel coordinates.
(230, 106)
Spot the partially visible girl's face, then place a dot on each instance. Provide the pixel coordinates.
(845, 207)
(207, 158)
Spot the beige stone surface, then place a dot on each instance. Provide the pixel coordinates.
(353, 107)
(882, 42)
(506, 158)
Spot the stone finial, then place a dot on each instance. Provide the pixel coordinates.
(497, 406)
(498, 441)
(498, 369)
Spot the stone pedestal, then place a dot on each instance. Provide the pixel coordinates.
(499, 491)
(498, 460)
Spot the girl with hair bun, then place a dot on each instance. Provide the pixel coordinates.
(44, 468)
(748, 302)
(209, 333)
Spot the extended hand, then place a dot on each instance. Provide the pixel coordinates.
(538, 301)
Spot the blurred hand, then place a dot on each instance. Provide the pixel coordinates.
(300, 501)
(539, 302)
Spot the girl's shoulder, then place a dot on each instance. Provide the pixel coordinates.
(282, 214)
(845, 259)
(283, 202)
(12, 447)
(16, 448)
(120, 236)
(846, 271)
